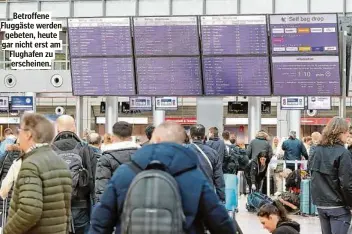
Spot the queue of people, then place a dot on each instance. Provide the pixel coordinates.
(63, 184)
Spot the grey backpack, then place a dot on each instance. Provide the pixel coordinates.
(153, 203)
(80, 175)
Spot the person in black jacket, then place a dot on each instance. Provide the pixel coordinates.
(67, 140)
(332, 178)
(259, 144)
(216, 143)
(256, 171)
(209, 160)
(115, 154)
(273, 217)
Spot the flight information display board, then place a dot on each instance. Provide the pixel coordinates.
(234, 35)
(178, 76)
(154, 36)
(235, 55)
(101, 56)
(236, 75)
(304, 34)
(103, 76)
(306, 75)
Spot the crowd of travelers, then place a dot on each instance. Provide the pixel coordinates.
(52, 181)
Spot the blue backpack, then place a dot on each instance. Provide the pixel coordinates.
(255, 200)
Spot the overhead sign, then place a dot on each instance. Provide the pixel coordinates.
(319, 103)
(4, 104)
(21, 103)
(166, 103)
(141, 103)
(292, 103)
(237, 108)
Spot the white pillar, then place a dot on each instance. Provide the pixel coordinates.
(111, 113)
(79, 116)
(282, 122)
(158, 115)
(210, 112)
(254, 117)
(294, 122)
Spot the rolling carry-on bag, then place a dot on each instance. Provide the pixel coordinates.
(231, 187)
(306, 204)
(242, 183)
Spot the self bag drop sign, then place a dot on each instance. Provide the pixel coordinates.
(21, 103)
(292, 103)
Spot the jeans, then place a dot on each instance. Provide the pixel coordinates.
(335, 220)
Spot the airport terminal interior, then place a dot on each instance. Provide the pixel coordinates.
(238, 65)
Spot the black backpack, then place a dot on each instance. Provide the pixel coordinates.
(153, 202)
(80, 175)
(237, 160)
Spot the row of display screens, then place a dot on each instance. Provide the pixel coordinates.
(227, 56)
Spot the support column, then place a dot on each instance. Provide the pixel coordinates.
(254, 116)
(79, 116)
(87, 114)
(111, 113)
(210, 112)
(294, 122)
(282, 122)
(158, 115)
(34, 95)
(342, 104)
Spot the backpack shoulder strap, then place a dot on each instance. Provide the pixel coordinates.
(204, 155)
(135, 168)
(113, 156)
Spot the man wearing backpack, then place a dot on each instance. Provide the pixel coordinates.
(216, 143)
(209, 160)
(114, 155)
(81, 161)
(152, 202)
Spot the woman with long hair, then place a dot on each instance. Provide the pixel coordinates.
(332, 178)
(274, 218)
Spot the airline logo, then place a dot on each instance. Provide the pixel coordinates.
(329, 30)
(316, 30)
(304, 48)
(278, 30)
(279, 49)
(330, 48)
(318, 48)
(290, 30)
(291, 49)
(303, 30)
(278, 40)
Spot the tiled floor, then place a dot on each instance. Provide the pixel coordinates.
(250, 224)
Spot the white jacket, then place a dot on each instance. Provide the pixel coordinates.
(10, 178)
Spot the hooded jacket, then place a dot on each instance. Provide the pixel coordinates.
(80, 209)
(215, 174)
(219, 145)
(258, 145)
(200, 203)
(253, 172)
(287, 227)
(113, 155)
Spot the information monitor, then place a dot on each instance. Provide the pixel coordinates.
(167, 56)
(235, 55)
(101, 56)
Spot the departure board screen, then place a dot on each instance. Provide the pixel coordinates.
(234, 35)
(235, 55)
(306, 75)
(103, 76)
(166, 36)
(247, 76)
(101, 56)
(178, 76)
(304, 34)
(100, 37)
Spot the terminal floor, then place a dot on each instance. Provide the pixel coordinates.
(250, 224)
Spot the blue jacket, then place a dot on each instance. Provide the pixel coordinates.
(198, 198)
(6, 142)
(218, 145)
(215, 176)
(294, 149)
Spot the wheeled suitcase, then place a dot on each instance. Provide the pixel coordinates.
(242, 183)
(231, 192)
(306, 204)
